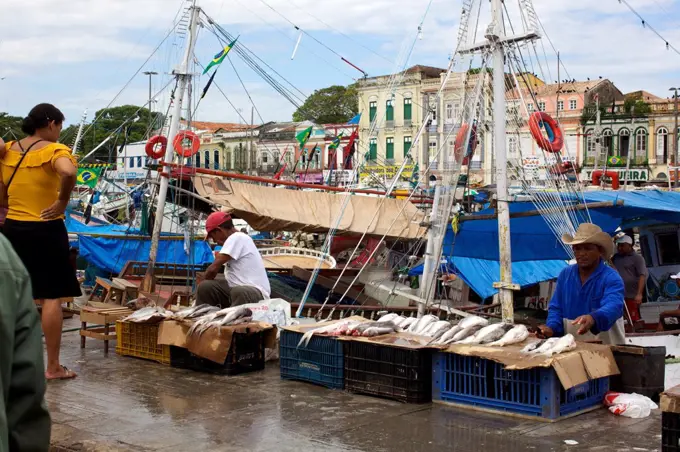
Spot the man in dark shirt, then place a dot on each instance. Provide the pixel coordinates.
(24, 420)
(633, 270)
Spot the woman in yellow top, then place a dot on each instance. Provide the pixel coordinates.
(39, 175)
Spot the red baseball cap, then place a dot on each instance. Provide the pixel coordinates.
(215, 220)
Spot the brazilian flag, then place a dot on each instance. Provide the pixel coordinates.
(88, 176)
(217, 59)
(303, 136)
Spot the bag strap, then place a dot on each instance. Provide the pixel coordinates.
(20, 160)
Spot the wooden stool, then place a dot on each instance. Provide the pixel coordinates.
(110, 290)
(130, 290)
(100, 316)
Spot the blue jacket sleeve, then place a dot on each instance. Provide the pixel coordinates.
(555, 312)
(611, 306)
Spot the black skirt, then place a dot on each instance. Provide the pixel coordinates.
(44, 249)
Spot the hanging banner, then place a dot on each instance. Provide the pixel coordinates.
(387, 171)
(88, 176)
(633, 175)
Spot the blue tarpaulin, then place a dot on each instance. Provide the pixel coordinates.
(111, 254)
(480, 274)
(538, 255)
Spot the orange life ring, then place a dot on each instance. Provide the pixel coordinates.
(613, 175)
(150, 147)
(460, 141)
(555, 140)
(178, 143)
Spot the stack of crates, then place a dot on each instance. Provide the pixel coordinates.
(246, 354)
(479, 382)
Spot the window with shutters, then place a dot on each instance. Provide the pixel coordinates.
(389, 148)
(207, 159)
(572, 104)
(198, 160)
(372, 110)
(407, 109)
(132, 162)
(390, 111)
(373, 149)
(407, 146)
(139, 162)
(216, 156)
(560, 105)
(541, 106)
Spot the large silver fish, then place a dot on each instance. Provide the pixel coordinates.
(516, 335)
(388, 317)
(436, 327)
(151, 314)
(408, 322)
(448, 334)
(377, 330)
(533, 346)
(545, 346)
(563, 344)
(422, 323)
(488, 334)
(327, 329)
(464, 334)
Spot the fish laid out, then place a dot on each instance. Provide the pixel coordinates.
(217, 319)
(422, 323)
(195, 312)
(140, 303)
(488, 334)
(389, 317)
(543, 346)
(334, 329)
(151, 314)
(516, 335)
(563, 344)
(437, 329)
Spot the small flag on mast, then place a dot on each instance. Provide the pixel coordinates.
(220, 56)
(303, 136)
(336, 141)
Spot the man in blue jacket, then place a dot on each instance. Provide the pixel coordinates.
(588, 299)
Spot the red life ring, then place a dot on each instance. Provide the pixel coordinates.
(178, 143)
(150, 147)
(460, 141)
(555, 140)
(613, 175)
(560, 169)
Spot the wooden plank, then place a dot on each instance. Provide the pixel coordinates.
(125, 284)
(94, 334)
(340, 289)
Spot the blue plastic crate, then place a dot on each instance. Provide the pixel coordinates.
(487, 384)
(320, 362)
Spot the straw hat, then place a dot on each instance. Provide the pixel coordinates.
(590, 233)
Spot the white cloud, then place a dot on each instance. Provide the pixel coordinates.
(594, 38)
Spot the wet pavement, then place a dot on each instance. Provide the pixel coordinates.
(119, 403)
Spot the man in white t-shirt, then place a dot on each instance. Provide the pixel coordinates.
(245, 276)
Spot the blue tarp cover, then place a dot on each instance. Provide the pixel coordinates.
(111, 254)
(537, 254)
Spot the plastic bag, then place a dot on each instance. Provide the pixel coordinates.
(275, 311)
(635, 406)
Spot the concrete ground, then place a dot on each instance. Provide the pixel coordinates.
(119, 403)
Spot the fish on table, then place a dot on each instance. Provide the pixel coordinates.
(517, 334)
(488, 334)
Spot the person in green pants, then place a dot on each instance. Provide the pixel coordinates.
(24, 420)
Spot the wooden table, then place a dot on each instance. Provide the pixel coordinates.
(100, 315)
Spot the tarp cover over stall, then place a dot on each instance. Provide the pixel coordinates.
(278, 209)
(112, 253)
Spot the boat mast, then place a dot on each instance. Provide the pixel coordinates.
(183, 77)
(496, 38)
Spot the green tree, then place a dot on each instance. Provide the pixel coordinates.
(126, 119)
(333, 105)
(10, 127)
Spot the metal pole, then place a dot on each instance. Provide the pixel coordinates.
(425, 154)
(80, 133)
(183, 78)
(675, 136)
(430, 267)
(250, 144)
(150, 74)
(505, 286)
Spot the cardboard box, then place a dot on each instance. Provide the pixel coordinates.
(213, 344)
(670, 400)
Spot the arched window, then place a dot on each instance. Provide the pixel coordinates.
(662, 142)
(640, 144)
(207, 159)
(624, 142)
(216, 162)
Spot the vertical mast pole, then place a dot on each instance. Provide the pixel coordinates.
(183, 77)
(505, 286)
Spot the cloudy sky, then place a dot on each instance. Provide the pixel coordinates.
(79, 54)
